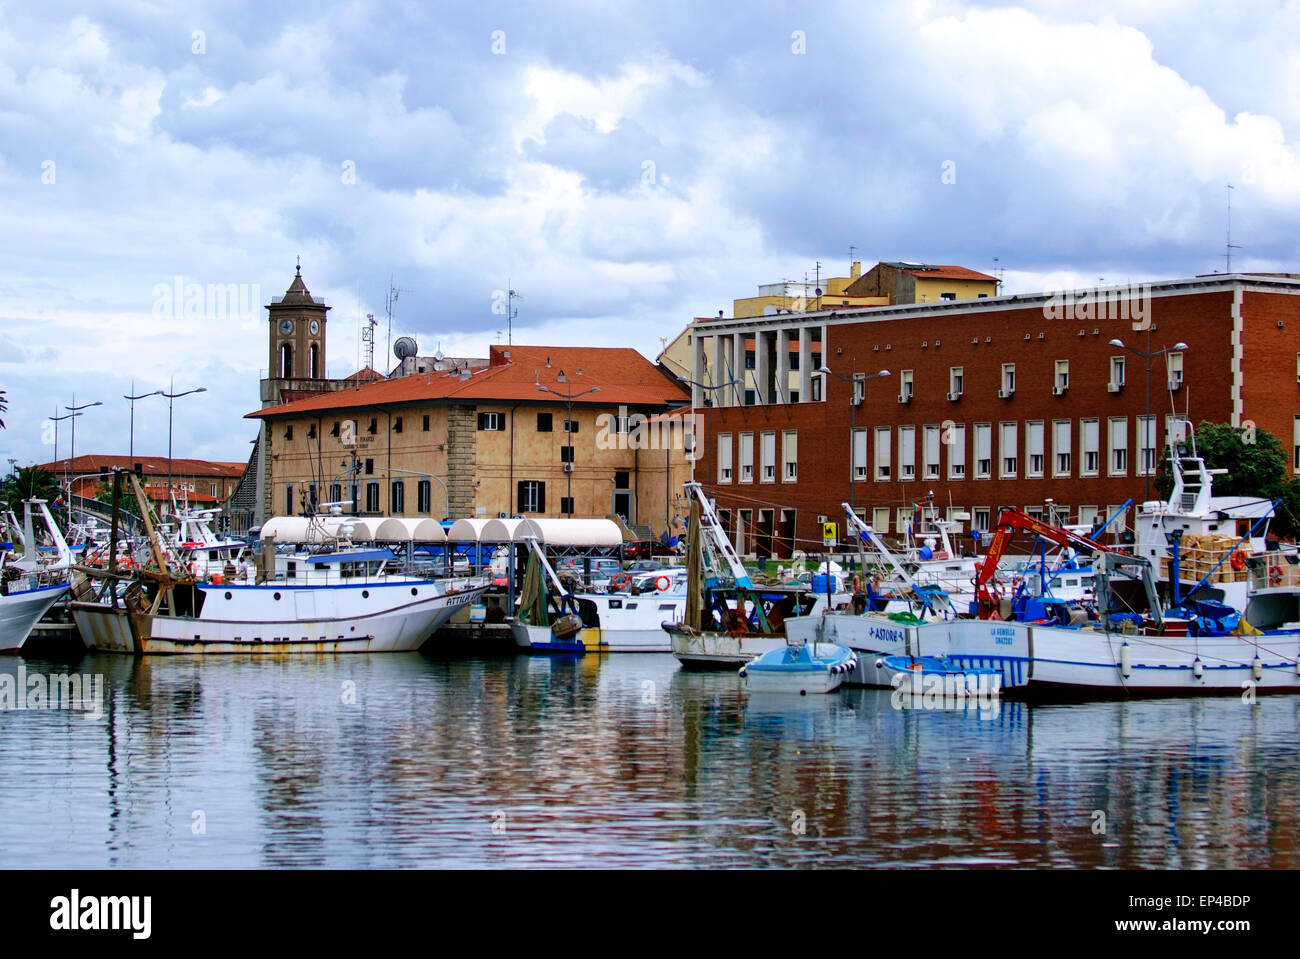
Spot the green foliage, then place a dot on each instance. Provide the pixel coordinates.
(4, 406)
(1256, 466)
(29, 482)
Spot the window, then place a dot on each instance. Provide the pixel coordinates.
(1119, 446)
(1061, 447)
(288, 500)
(907, 452)
(311, 431)
(1115, 516)
(622, 424)
(955, 439)
(749, 359)
(747, 457)
(212, 490)
(1008, 441)
(354, 494)
(790, 447)
(816, 384)
(956, 380)
(372, 497)
(566, 454)
(980, 518)
(422, 504)
(336, 492)
(1087, 516)
(491, 421)
(566, 505)
(1062, 382)
(905, 385)
(373, 428)
(370, 467)
(930, 451)
(1116, 373)
(794, 360)
(1089, 447)
(425, 425)
(983, 450)
(1008, 378)
(724, 458)
(621, 478)
(532, 496)
(570, 426)
(880, 519)
(334, 430)
(397, 424)
(860, 455)
(768, 452)
(947, 296)
(1145, 445)
(903, 518)
(311, 495)
(751, 398)
(544, 422)
(397, 498)
(882, 452)
(1174, 363)
(288, 432)
(1295, 443)
(1034, 448)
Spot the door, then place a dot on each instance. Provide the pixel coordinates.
(623, 504)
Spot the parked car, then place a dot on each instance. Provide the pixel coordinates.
(646, 549)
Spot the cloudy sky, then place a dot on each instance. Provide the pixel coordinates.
(624, 166)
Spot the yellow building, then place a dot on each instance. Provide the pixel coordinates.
(899, 283)
(790, 296)
(539, 431)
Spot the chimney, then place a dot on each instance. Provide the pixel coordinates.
(856, 270)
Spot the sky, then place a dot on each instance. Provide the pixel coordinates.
(624, 167)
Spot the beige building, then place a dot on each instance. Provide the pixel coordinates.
(489, 441)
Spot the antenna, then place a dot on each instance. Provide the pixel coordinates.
(852, 250)
(1227, 253)
(511, 312)
(997, 272)
(368, 342)
(390, 306)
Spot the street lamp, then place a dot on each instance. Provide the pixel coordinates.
(568, 399)
(73, 456)
(55, 420)
(131, 453)
(858, 393)
(170, 398)
(1178, 347)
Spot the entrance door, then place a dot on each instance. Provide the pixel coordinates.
(623, 504)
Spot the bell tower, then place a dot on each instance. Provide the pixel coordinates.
(297, 341)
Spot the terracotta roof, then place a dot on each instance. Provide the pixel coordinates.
(149, 465)
(623, 375)
(939, 271)
(365, 375)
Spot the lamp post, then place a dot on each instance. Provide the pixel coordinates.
(568, 399)
(171, 397)
(1148, 355)
(131, 452)
(73, 409)
(854, 400)
(55, 420)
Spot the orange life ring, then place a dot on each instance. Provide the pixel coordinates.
(662, 583)
(1275, 575)
(1238, 560)
(621, 581)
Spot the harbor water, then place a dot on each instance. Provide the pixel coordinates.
(620, 761)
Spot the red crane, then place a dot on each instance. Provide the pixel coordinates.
(1008, 523)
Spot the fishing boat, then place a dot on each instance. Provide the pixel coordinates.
(800, 668)
(28, 585)
(919, 675)
(329, 598)
(555, 619)
(728, 619)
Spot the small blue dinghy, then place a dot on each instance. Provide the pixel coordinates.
(915, 670)
(802, 668)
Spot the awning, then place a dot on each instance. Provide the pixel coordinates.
(410, 529)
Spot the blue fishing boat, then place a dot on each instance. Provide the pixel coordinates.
(802, 668)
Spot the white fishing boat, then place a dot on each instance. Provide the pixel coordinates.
(799, 668)
(29, 586)
(552, 618)
(334, 598)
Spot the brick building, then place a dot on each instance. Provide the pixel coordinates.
(1002, 401)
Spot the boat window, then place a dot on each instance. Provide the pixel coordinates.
(672, 606)
(615, 604)
(631, 605)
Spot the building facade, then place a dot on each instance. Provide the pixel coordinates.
(200, 482)
(488, 441)
(1017, 401)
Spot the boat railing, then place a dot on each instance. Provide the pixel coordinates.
(1272, 569)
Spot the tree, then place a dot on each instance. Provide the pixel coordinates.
(4, 407)
(29, 482)
(1256, 466)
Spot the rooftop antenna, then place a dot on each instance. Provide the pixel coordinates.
(368, 343)
(511, 312)
(817, 290)
(997, 272)
(852, 250)
(390, 306)
(1227, 253)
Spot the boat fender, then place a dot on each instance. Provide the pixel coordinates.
(742, 672)
(1198, 668)
(1125, 660)
(1257, 669)
(880, 664)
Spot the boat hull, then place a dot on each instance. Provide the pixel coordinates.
(713, 650)
(20, 612)
(592, 639)
(393, 626)
(798, 670)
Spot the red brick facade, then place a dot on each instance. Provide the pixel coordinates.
(981, 336)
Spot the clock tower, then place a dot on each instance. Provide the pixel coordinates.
(297, 334)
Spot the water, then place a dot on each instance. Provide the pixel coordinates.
(626, 761)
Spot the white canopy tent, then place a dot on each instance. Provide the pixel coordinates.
(410, 529)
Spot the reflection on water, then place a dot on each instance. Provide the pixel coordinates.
(399, 760)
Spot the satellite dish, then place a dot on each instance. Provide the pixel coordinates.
(404, 347)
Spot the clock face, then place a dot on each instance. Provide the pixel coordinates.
(286, 327)
(315, 327)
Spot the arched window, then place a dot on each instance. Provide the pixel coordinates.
(286, 361)
(313, 363)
